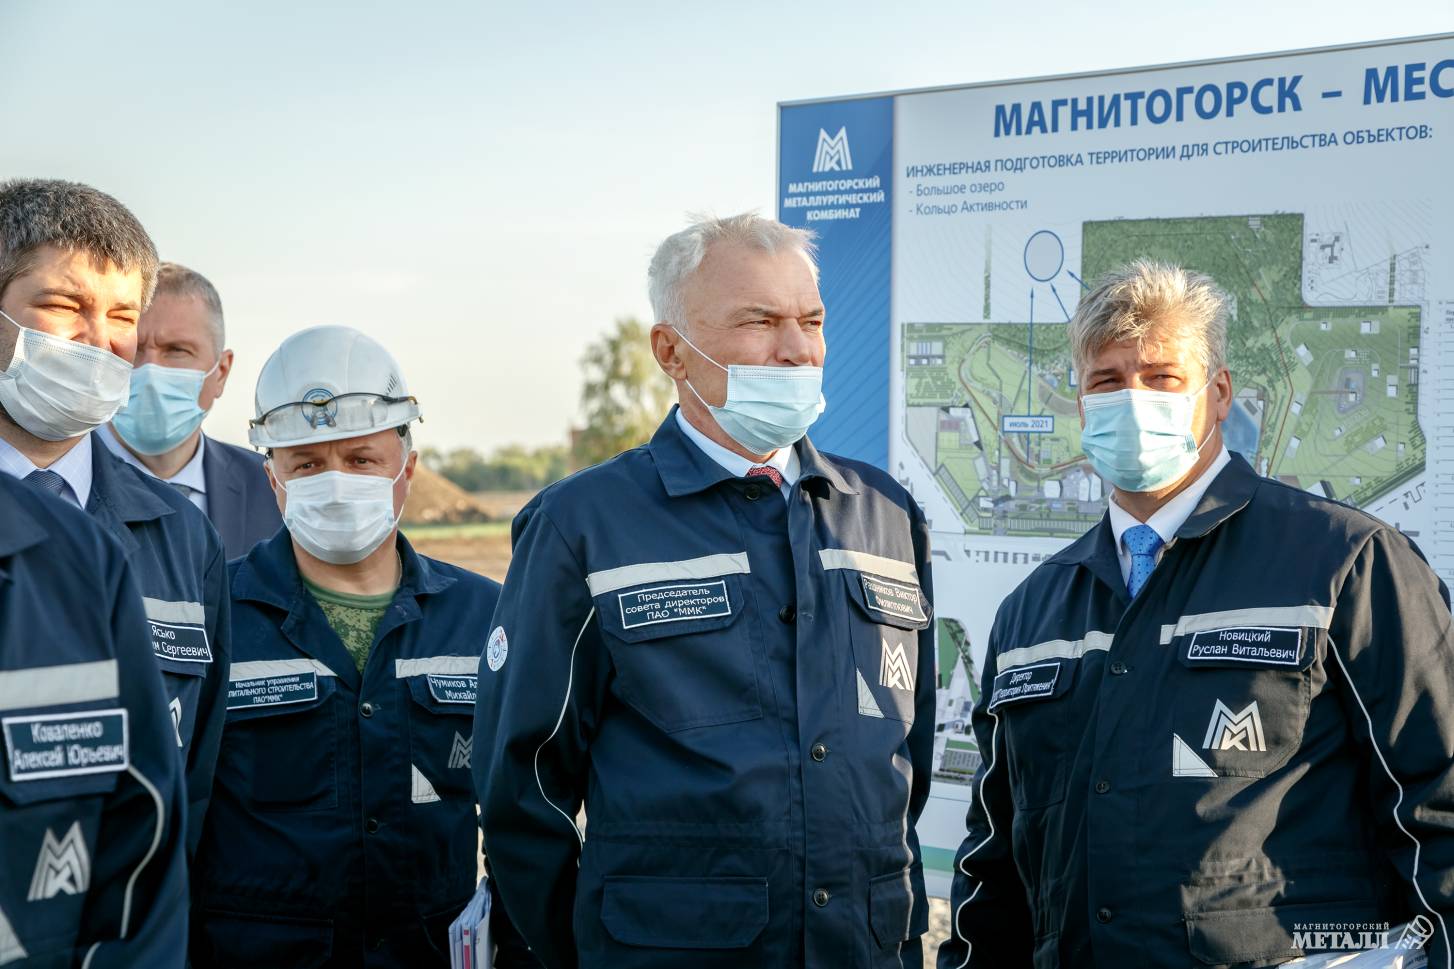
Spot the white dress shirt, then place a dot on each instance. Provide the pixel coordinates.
(74, 467)
(784, 459)
(1166, 519)
(190, 477)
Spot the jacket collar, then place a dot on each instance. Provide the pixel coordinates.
(269, 574)
(217, 474)
(123, 490)
(18, 529)
(685, 470)
(121, 497)
(1229, 493)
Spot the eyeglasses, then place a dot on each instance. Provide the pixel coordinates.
(362, 412)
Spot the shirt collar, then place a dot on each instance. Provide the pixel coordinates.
(784, 459)
(190, 475)
(1168, 519)
(74, 467)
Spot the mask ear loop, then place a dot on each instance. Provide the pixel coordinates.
(688, 381)
(1215, 424)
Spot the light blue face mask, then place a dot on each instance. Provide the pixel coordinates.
(766, 407)
(162, 411)
(1141, 440)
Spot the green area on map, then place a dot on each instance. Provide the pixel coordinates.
(1326, 397)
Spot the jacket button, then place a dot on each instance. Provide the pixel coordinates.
(787, 613)
(1118, 668)
(1103, 915)
(372, 825)
(819, 752)
(1102, 786)
(752, 492)
(820, 897)
(366, 709)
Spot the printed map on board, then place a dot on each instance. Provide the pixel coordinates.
(1327, 390)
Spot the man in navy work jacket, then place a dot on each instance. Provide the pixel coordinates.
(720, 642)
(343, 831)
(76, 271)
(1219, 728)
(92, 803)
(181, 368)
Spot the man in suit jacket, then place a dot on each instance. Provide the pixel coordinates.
(181, 368)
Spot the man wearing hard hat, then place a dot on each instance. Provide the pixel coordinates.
(343, 827)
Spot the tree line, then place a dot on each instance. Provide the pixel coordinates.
(624, 396)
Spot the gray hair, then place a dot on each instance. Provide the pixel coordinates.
(1147, 301)
(679, 255)
(177, 280)
(68, 215)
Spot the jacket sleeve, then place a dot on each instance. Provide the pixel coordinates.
(534, 720)
(990, 925)
(1391, 647)
(136, 911)
(921, 735)
(212, 704)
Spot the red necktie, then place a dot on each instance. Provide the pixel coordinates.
(763, 471)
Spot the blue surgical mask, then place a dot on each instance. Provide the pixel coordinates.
(767, 407)
(162, 411)
(1141, 440)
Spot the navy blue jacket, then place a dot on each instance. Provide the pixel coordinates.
(343, 828)
(177, 561)
(1251, 759)
(741, 691)
(240, 502)
(92, 799)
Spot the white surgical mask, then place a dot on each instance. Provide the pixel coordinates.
(59, 389)
(1141, 440)
(766, 407)
(340, 517)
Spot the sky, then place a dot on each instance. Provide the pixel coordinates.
(480, 186)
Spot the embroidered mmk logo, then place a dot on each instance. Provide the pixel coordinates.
(894, 670)
(63, 866)
(1235, 731)
(459, 752)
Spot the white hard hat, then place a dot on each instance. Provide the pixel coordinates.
(327, 383)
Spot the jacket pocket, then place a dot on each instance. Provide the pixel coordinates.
(183, 682)
(884, 622)
(683, 657)
(1246, 694)
(684, 913)
(897, 908)
(284, 726)
(1036, 713)
(1269, 935)
(66, 754)
(235, 940)
(441, 724)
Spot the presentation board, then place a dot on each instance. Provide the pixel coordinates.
(958, 228)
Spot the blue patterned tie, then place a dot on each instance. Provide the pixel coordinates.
(1143, 543)
(48, 481)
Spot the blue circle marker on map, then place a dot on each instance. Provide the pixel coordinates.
(1044, 256)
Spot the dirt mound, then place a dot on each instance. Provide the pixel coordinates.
(435, 500)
